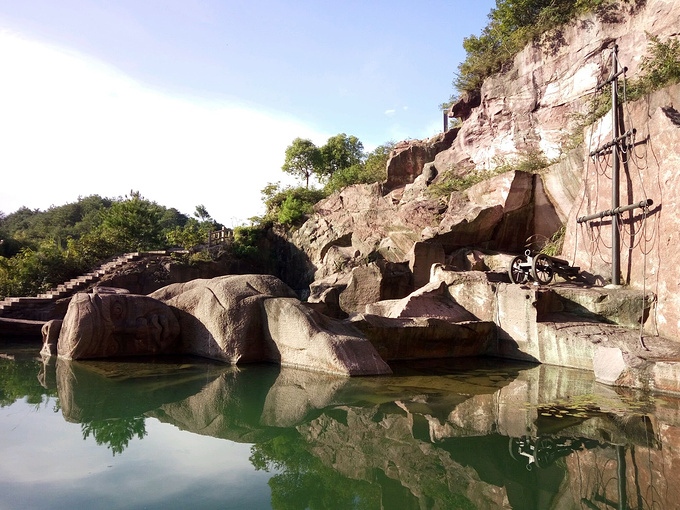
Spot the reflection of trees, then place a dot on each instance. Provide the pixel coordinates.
(304, 482)
(18, 380)
(115, 433)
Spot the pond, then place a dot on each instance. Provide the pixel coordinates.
(188, 433)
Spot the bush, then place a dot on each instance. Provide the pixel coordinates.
(289, 206)
(246, 239)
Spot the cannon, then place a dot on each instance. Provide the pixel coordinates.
(540, 268)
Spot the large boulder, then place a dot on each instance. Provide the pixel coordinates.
(432, 300)
(300, 337)
(108, 324)
(222, 318)
(248, 318)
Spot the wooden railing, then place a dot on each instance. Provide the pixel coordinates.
(222, 236)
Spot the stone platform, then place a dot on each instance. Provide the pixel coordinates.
(569, 325)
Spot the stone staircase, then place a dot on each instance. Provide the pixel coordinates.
(41, 307)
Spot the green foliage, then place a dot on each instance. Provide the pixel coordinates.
(340, 153)
(134, 224)
(450, 182)
(298, 475)
(303, 159)
(42, 249)
(659, 68)
(34, 271)
(513, 24)
(191, 235)
(18, 381)
(115, 433)
(372, 169)
(530, 161)
(246, 239)
(554, 246)
(289, 206)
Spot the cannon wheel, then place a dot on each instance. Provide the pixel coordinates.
(515, 271)
(542, 269)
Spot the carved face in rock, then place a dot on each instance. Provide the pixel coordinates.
(103, 325)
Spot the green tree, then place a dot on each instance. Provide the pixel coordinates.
(303, 159)
(341, 152)
(134, 224)
(372, 169)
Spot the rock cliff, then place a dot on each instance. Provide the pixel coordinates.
(519, 140)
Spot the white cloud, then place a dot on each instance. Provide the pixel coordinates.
(390, 112)
(71, 126)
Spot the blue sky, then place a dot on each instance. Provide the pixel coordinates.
(194, 102)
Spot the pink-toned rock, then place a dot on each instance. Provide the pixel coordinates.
(250, 318)
(649, 240)
(499, 213)
(432, 300)
(421, 258)
(111, 324)
(301, 338)
(375, 282)
(408, 158)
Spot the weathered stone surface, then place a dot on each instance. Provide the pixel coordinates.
(324, 295)
(375, 282)
(299, 337)
(247, 318)
(295, 393)
(648, 241)
(408, 158)
(499, 213)
(105, 325)
(463, 107)
(50, 334)
(421, 258)
(432, 300)
(222, 318)
(531, 105)
(426, 338)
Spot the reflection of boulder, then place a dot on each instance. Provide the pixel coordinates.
(111, 324)
(297, 392)
(230, 407)
(96, 390)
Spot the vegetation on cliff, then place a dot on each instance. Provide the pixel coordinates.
(513, 24)
(338, 164)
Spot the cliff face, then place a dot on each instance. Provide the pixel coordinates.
(533, 108)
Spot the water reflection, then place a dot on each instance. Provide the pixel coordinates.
(445, 435)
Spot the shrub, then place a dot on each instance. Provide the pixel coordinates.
(246, 239)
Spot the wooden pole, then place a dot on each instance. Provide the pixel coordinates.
(616, 238)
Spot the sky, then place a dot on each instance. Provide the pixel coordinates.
(193, 102)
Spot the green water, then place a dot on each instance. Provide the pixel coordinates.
(187, 433)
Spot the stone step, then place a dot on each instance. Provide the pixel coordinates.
(16, 304)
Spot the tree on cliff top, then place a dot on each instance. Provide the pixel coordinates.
(303, 159)
(341, 152)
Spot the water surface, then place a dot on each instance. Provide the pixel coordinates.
(188, 433)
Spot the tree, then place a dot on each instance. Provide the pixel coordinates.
(134, 224)
(341, 152)
(303, 159)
